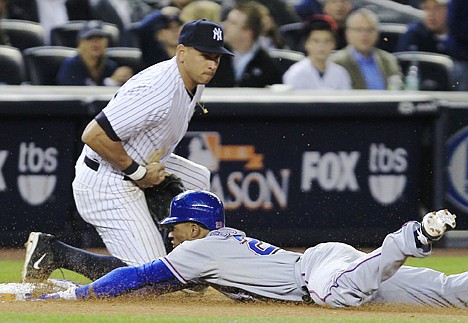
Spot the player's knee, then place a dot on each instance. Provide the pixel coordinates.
(347, 299)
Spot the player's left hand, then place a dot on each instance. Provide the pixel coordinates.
(68, 294)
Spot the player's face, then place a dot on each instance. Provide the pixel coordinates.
(198, 67)
(181, 232)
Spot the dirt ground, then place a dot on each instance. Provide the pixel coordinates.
(213, 304)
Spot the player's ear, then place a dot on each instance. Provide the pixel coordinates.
(181, 51)
(194, 230)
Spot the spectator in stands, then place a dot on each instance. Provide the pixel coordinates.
(316, 71)
(251, 66)
(122, 13)
(270, 36)
(339, 11)
(49, 13)
(308, 8)
(458, 40)
(369, 67)
(429, 35)
(201, 9)
(91, 66)
(282, 12)
(158, 34)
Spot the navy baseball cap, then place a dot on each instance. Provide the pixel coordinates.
(205, 36)
(92, 28)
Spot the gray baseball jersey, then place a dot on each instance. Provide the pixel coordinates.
(238, 266)
(149, 115)
(334, 274)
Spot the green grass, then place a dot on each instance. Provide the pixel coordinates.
(448, 265)
(10, 271)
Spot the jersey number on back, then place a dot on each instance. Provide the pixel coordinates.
(258, 247)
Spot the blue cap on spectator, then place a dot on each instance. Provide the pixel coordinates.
(205, 36)
(156, 21)
(92, 28)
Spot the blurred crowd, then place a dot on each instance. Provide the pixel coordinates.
(303, 44)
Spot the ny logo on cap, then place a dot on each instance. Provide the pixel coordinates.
(217, 34)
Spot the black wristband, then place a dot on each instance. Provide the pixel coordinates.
(131, 169)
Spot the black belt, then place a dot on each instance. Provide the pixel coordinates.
(94, 165)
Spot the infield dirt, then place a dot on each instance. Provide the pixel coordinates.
(213, 304)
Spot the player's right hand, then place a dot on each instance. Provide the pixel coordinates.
(155, 174)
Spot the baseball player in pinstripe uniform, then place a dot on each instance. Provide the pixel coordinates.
(128, 147)
(244, 268)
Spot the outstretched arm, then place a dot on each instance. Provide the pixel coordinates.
(124, 280)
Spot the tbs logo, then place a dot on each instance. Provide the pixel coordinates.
(36, 165)
(387, 181)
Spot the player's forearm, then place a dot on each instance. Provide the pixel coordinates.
(126, 279)
(112, 151)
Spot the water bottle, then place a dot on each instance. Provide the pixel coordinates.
(412, 77)
(394, 83)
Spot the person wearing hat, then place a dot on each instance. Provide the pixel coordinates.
(129, 147)
(158, 35)
(317, 71)
(430, 34)
(91, 66)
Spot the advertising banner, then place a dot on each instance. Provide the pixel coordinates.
(300, 181)
(38, 148)
(456, 165)
(290, 170)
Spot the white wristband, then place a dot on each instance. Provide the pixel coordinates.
(138, 174)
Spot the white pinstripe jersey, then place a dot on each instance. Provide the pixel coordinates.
(238, 266)
(150, 113)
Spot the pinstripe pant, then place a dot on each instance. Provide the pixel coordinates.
(117, 208)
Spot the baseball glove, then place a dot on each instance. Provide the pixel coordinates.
(159, 197)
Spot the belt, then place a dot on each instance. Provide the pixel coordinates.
(94, 165)
(305, 291)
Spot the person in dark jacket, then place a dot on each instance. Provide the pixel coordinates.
(91, 66)
(158, 33)
(430, 34)
(251, 66)
(458, 40)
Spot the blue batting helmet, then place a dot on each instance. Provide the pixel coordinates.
(196, 206)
